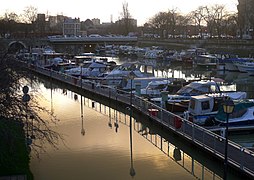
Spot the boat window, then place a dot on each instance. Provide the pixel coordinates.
(205, 105)
(239, 113)
(192, 104)
(194, 91)
(213, 88)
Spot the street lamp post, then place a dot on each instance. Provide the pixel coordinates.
(81, 66)
(228, 108)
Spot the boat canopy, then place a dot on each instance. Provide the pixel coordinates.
(241, 108)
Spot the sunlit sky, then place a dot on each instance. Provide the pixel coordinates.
(142, 10)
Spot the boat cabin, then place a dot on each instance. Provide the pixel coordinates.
(201, 104)
(203, 107)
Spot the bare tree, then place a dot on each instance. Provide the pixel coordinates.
(165, 22)
(11, 16)
(214, 16)
(198, 18)
(8, 23)
(173, 16)
(229, 25)
(220, 15)
(183, 23)
(159, 22)
(30, 14)
(126, 17)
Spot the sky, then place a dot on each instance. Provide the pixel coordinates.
(142, 10)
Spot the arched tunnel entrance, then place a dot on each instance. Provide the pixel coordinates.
(16, 46)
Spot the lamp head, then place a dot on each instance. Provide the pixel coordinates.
(228, 106)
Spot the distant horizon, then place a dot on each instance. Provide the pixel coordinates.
(105, 10)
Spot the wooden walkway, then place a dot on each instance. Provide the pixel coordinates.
(238, 156)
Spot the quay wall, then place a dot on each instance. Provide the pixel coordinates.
(237, 46)
(239, 157)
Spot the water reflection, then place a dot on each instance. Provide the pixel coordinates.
(82, 116)
(196, 164)
(183, 159)
(132, 170)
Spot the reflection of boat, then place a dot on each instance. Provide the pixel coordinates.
(230, 65)
(231, 76)
(244, 78)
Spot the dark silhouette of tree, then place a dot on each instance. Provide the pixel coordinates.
(126, 17)
(198, 18)
(12, 78)
(166, 22)
(214, 16)
(30, 14)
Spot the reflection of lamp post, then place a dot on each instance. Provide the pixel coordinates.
(228, 108)
(109, 108)
(115, 117)
(82, 117)
(26, 99)
(132, 170)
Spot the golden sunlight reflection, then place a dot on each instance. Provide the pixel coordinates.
(102, 151)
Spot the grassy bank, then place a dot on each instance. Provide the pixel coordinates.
(14, 157)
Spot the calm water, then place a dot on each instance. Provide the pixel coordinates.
(104, 152)
(234, 80)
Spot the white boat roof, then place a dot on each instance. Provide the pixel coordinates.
(196, 85)
(159, 82)
(207, 56)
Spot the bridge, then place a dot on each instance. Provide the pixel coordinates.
(88, 44)
(71, 45)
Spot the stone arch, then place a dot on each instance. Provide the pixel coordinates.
(15, 46)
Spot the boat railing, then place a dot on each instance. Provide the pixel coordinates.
(238, 156)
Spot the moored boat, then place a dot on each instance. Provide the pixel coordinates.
(206, 60)
(202, 109)
(178, 102)
(120, 75)
(246, 66)
(243, 114)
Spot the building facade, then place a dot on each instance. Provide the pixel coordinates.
(96, 21)
(246, 18)
(71, 27)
